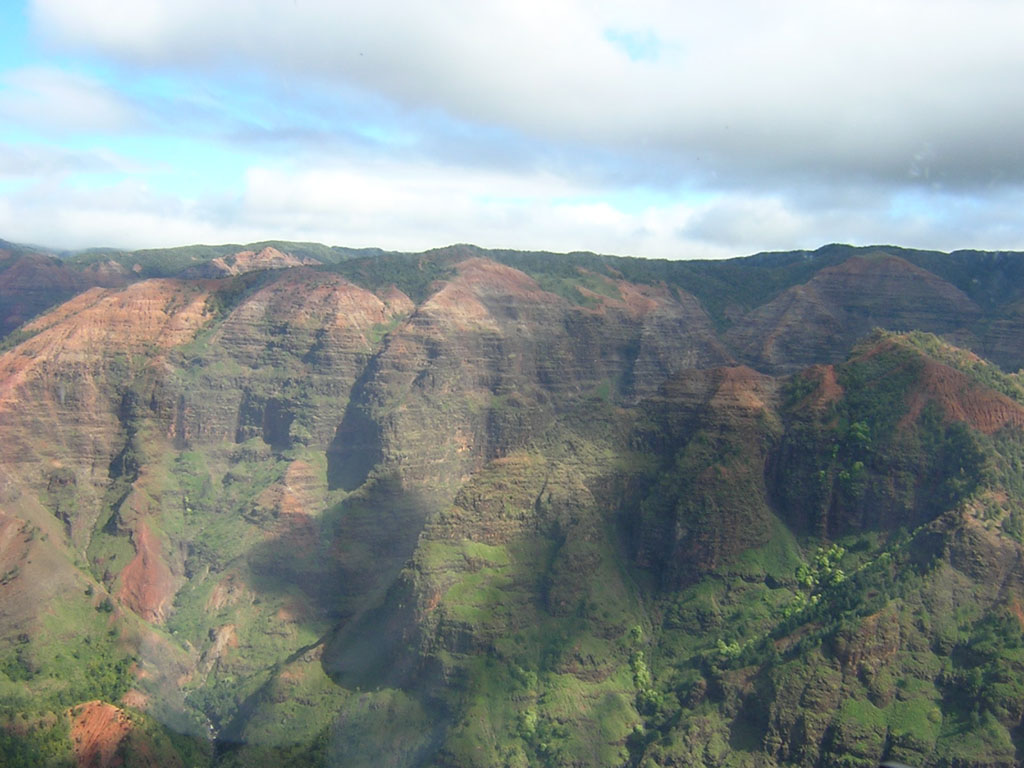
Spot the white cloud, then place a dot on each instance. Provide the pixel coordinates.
(736, 221)
(126, 214)
(50, 100)
(416, 206)
(409, 124)
(394, 206)
(43, 161)
(749, 87)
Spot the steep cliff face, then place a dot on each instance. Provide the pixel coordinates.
(518, 590)
(532, 517)
(65, 396)
(846, 657)
(490, 357)
(820, 320)
(105, 736)
(1003, 337)
(714, 429)
(280, 365)
(31, 283)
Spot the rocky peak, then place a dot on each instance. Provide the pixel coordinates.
(241, 262)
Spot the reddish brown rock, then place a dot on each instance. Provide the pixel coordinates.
(820, 320)
(310, 330)
(503, 355)
(147, 585)
(31, 283)
(102, 735)
(963, 400)
(64, 392)
(248, 261)
(97, 730)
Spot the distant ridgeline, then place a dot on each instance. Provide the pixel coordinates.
(291, 505)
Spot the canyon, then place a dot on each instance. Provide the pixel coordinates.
(283, 504)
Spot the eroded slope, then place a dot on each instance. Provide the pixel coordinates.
(285, 519)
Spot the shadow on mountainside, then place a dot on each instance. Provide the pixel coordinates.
(348, 555)
(356, 447)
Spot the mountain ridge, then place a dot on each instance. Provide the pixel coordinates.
(448, 509)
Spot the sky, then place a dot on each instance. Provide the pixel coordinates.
(665, 129)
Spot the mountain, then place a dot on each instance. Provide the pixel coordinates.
(294, 505)
(32, 282)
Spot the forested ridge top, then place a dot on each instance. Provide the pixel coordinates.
(991, 278)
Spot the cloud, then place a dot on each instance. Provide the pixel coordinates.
(653, 128)
(50, 100)
(394, 205)
(34, 160)
(736, 221)
(124, 214)
(416, 205)
(736, 90)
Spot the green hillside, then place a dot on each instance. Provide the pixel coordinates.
(474, 508)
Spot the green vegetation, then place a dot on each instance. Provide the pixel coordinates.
(980, 371)
(413, 274)
(74, 659)
(234, 289)
(29, 739)
(579, 289)
(518, 572)
(162, 262)
(377, 333)
(719, 285)
(166, 262)
(14, 338)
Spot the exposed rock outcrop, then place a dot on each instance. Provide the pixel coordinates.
(820, 320)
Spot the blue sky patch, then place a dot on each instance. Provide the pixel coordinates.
(641, 45)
